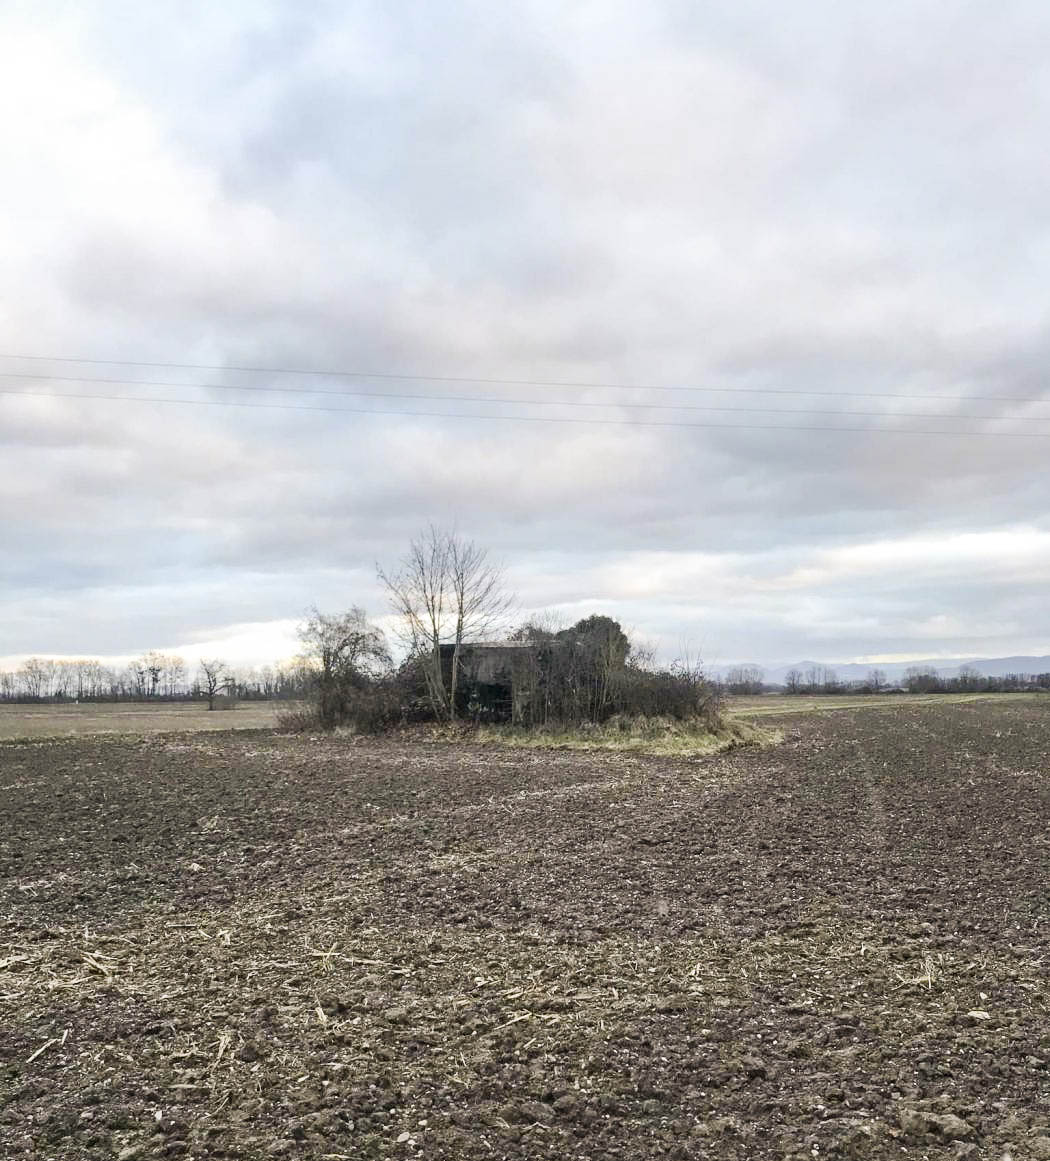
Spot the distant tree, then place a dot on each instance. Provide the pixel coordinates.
(822, 679)
(875, 682)
(923, 679)
(151, 666)
(745, 679)
(214, 677)
(794, 681)
(174, 674)
(64, 683)
(970, 679)
(82, 670)
(37, 675)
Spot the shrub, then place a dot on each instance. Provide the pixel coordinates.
(367, 705)
(679, 692)
(375, 707)
(298, 718)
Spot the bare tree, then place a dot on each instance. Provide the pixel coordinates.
(745, 679)
(822, 679)
(175, 673)
(480, 603)
(341, 651)
(214, 677)
(151, 666)
(37, 675)
(446, 593)
(876, 681)
(81, 670)
(923, 679)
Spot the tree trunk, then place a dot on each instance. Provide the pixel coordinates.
(454, 681)
(436, 683)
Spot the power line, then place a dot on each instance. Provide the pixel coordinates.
(868, 430)
(538, 383)
(488, 399)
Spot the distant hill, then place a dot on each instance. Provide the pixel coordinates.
(946, 666)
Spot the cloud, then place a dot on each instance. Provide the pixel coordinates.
(848, 204)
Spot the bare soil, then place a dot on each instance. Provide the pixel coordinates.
(246, 945)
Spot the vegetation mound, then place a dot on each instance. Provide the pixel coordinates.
(649, 735)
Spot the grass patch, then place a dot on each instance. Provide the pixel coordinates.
(664, 736)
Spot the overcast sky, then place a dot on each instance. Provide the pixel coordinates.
(762, 201)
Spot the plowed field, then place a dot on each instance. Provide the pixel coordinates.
(246, 945)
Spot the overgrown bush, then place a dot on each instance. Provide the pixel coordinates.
(366, 704)
(298, 718)
(592, 671)
(375, 707)
(679, 692)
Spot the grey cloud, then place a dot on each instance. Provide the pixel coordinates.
(845, 201)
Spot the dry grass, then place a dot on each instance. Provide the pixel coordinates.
(662, 736)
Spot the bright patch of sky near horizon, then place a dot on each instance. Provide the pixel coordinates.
(850, 201)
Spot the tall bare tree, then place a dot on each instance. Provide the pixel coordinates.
(174, 673)
(151, 667)
(37, 675)
(214, 677)
(745, 679)
(876, 681)
(446, 592)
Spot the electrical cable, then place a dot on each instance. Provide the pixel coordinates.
(867, 430)
(429, 396)
(538, 383)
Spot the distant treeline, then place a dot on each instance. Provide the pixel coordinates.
(749, 679)
(152, 677)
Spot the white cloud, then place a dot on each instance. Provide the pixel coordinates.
(241, 646)
(846, 202)
(1014, 554)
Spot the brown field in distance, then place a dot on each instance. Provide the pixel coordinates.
(57, 721)
(783, 703)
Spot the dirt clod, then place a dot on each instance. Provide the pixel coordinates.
(951, 1127)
